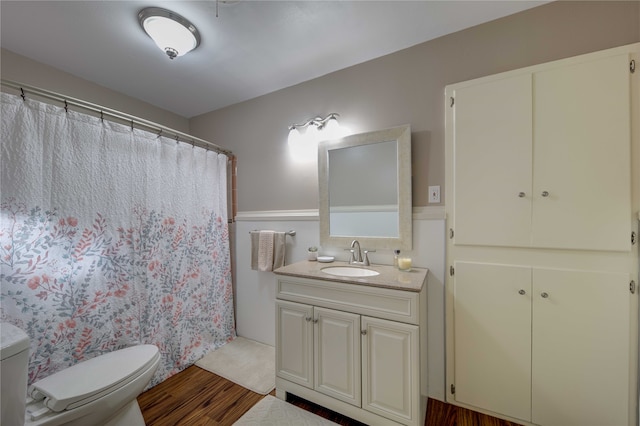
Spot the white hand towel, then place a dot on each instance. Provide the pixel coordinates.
(255, 242)
(279, 246)
(265, 251)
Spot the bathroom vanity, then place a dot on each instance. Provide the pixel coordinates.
(352, 343)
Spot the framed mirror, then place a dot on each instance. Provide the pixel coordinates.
(365, 190)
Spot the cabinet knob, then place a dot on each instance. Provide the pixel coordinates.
(315, 321)
(521, 194)
(307, 319)
(363, 332)
(545, 193)
(522, 292)
(544, 295)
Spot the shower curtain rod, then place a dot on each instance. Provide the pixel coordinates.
(141, 123)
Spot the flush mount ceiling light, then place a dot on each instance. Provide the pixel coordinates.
(172, 33)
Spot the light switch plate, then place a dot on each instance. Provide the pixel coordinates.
(434, 194)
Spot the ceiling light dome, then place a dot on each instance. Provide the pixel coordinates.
(172, 33)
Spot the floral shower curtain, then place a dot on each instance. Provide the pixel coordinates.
(110, 237)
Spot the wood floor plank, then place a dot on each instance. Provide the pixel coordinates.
(196, 397)
(439, 413)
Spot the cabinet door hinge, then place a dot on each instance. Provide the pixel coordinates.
(632, 66)
(453, 388)
(451, 270)
(632, 287)
(634, 238)
(453, 101)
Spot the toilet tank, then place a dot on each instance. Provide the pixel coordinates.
(14, 360)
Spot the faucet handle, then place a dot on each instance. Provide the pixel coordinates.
(366, 257)
(352, 257)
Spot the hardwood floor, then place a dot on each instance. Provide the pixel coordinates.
(196, 397)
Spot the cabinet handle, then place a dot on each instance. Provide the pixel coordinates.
(545, 193)
(307, 319)
(315, 321)
(521, 194)
(522, 292)
(544, 295)
(363, 332)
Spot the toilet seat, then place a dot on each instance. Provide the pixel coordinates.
(101, 384)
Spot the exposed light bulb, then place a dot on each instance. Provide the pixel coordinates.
(301, 148)
(332, 130)
(312, 135)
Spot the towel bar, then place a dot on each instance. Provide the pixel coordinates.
(291, 232)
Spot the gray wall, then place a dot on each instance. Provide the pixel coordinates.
(406, 87)
(24, 70)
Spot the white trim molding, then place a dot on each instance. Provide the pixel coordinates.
(429, 213)
(418, 213)
(277, 215)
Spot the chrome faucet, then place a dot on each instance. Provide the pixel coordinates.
(356, 256)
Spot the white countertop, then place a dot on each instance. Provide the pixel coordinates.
(389, 277)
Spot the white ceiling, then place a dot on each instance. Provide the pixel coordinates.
(250, 49)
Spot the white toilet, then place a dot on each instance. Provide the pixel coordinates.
(98, 392)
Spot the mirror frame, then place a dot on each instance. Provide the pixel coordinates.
(402, 136)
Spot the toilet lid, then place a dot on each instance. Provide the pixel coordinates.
(96, 377)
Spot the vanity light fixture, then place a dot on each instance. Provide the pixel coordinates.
(313, 126)
(303, 146)
(172, 33)
(318, 121)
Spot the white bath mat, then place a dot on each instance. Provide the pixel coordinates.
(273, 411)
(246, 362)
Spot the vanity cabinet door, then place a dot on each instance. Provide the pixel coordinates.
(337, 355)
(294, 342)
(391, 369)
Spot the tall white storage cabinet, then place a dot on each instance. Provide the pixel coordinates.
(543, 197)
(542, 159)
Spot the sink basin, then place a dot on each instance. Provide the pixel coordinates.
(349, 271)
